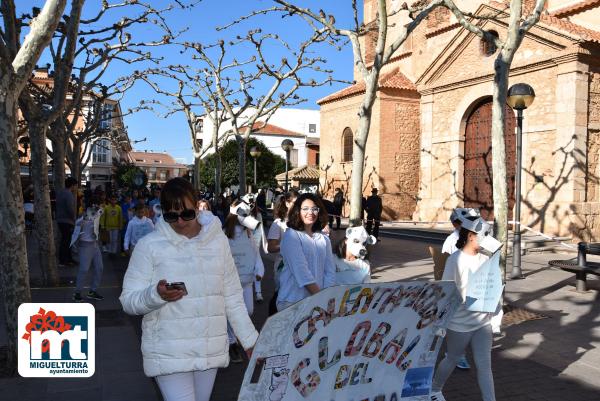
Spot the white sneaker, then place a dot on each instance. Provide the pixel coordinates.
(437, 396)
(259, 297)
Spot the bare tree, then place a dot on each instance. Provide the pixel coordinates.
(104, 40)
(518, 26)
(385, 48)
(40, 109)
(195, 89)
(247, 108)
(17, 61)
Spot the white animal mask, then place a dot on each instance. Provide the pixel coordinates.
(356, 240)
(242, 211)
(463, 212)
(484, 233)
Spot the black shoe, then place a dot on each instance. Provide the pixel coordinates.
(235, 355)
(94, 295)
(77, 297)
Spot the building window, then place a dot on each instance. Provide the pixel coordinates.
(294, 157)
(200, 125)
(488, 48)
(101, 151)
(312, 128)
(107, 116)
(347, 140)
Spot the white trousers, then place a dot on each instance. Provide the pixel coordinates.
(249, 301)
(187, 386)
(113, 245)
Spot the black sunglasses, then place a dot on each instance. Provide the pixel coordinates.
(186, 215)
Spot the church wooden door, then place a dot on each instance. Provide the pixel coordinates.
(478, 160)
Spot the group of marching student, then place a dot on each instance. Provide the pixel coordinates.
(192, 280)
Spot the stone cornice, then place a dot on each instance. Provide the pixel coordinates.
(573, 54)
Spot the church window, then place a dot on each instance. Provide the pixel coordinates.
(347, 140)
(488, 48)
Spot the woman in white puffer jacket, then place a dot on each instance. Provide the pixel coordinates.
(184, 331)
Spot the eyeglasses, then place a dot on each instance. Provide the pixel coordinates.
(307, 209)
(186, 215)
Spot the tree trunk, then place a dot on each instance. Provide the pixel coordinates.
(42, 207)
(356, 193)
(14, 273)
(358, 151)
(59, 150)
(197, 169)
(500, 188)
(218, 171)
(75, 161)
(242, 166)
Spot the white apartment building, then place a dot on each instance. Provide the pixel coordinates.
(299, 125)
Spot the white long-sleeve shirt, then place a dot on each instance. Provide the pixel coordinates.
(136, 229)
(449, 246)
(458, 266)
(307, 260)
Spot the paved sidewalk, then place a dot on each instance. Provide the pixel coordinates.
(556, 358)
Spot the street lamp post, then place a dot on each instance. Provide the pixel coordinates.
(287, 145)
(255, 153)
(520, 96)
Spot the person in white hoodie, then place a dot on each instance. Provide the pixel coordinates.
(238, 228)
(184, 329)
(466, 326)
(137, 228)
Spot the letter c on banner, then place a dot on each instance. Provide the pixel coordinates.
(312, 379)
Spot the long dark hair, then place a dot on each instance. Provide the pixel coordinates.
(295, 220)
(281, 209)
(463, 235)
(231, 221)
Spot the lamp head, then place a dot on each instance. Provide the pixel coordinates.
(287, 145)
(520, 96)
(255, 152)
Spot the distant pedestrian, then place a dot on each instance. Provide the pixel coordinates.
(238, 229)
(467, 327)
(112, 222)
(66, 213)
(261, 201)
(274, 237)
(306, 251)
(85, 237)
(137, 228)
(374, 208)
(184, 330)
(338, 202)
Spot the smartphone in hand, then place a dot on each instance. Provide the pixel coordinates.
(179, 285)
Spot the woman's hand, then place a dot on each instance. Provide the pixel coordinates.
(249, 353)
(167, 294)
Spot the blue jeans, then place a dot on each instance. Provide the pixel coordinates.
(89, 254)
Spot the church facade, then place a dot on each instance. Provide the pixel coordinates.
(429, 147)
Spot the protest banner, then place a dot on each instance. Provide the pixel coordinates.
(485, 286)
(375, 342)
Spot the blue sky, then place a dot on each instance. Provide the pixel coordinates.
(171, 134)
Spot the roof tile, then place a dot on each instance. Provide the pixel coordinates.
(390, 80)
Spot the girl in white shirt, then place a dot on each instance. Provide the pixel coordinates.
(137, 228)
(467, 326)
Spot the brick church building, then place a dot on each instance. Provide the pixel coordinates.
(429, 148)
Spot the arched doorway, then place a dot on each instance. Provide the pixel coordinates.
(478, 159)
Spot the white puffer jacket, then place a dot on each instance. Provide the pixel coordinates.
(191, 333)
